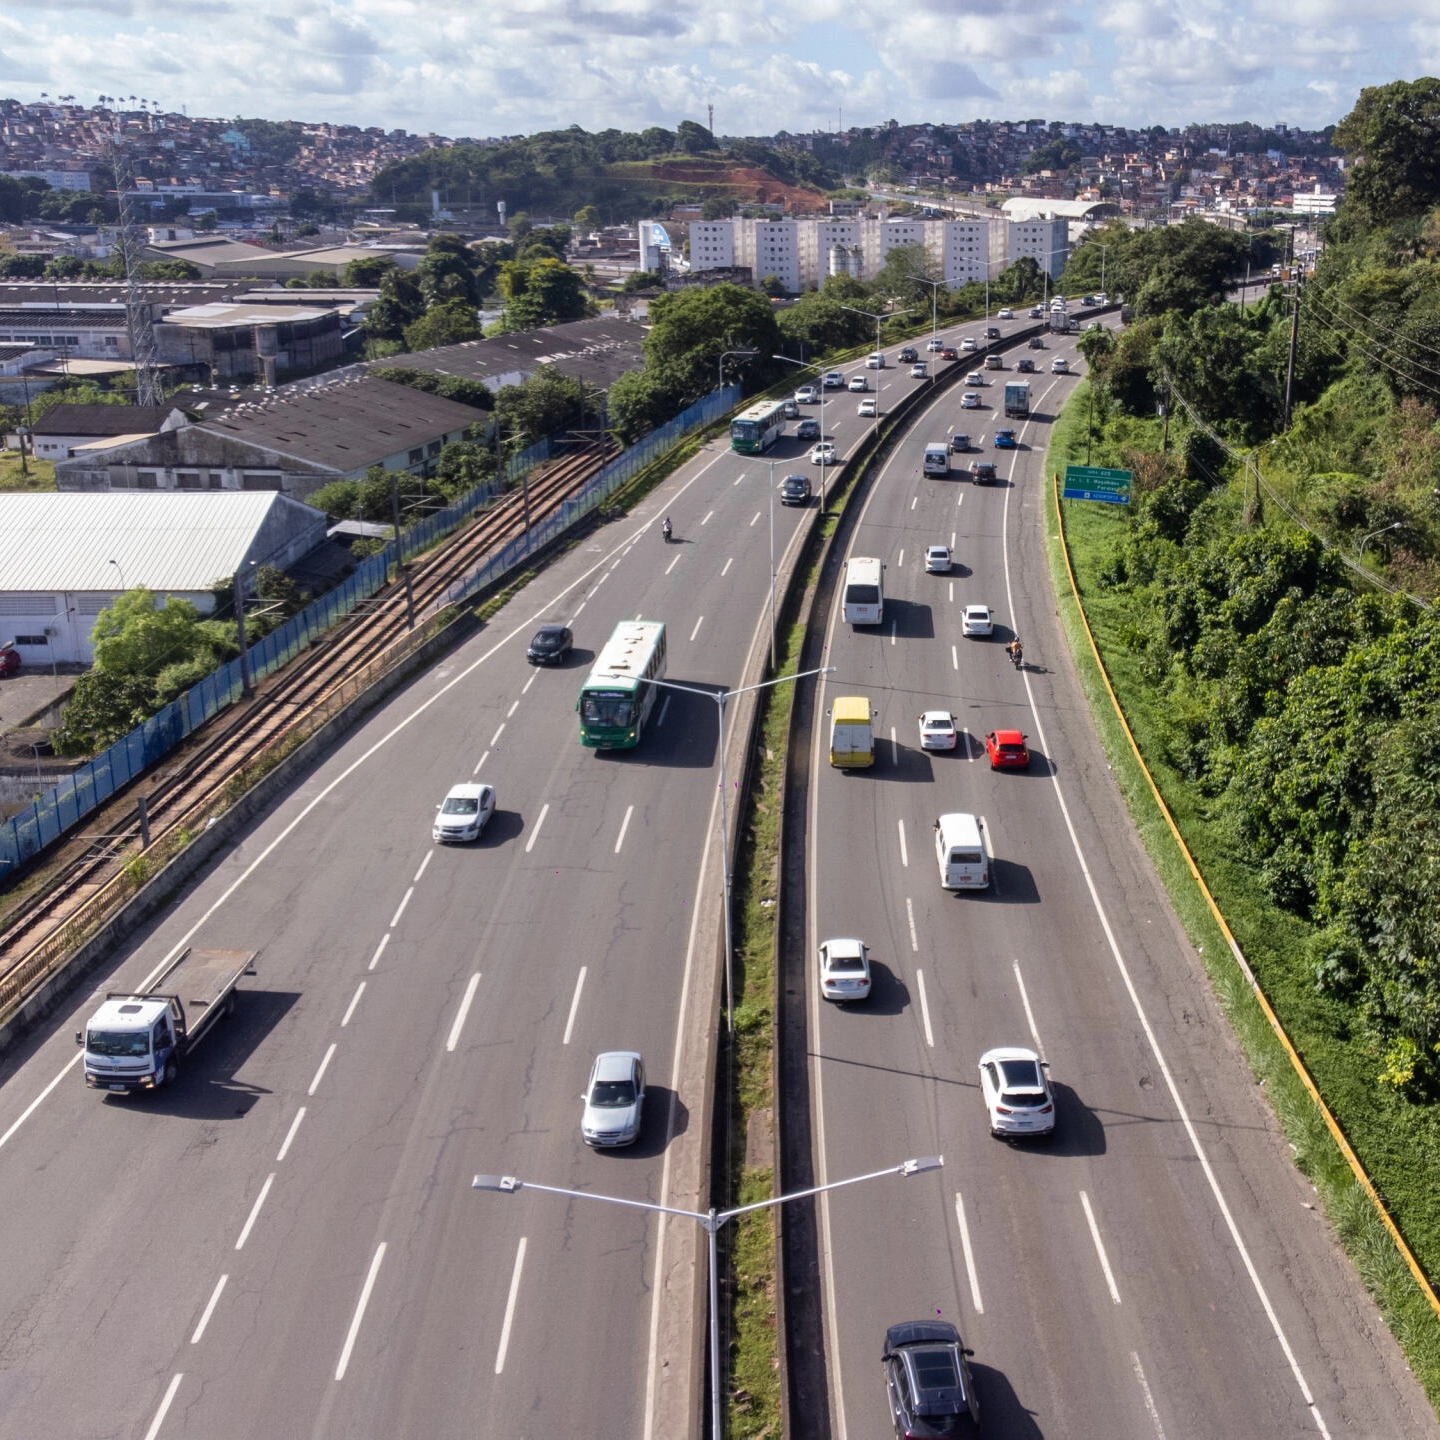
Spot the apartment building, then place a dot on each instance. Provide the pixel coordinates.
(1044, 238)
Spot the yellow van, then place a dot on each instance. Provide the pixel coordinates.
(852, 732)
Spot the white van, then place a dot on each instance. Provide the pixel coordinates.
(875, 360)
(864, 592)
(960, 852)
(937, 459)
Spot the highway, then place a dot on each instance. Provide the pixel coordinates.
(1159, 1267)
(285, 1242)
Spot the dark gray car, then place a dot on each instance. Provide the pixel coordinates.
(928, 1382)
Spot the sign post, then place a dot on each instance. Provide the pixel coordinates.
(1091, 482)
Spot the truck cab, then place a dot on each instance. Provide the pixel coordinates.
(129, 1044)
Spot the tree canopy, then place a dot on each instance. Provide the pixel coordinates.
(1394, 130)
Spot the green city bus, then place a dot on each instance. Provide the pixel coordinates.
(758, 428)
(617, 698)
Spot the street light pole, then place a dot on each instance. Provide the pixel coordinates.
(119, 572)
(712, 1221)
(720, 366)
(1395, 525)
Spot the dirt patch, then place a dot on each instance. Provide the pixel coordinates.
(744, 184)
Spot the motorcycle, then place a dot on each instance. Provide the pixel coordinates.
(1016, 654)
(667, 532)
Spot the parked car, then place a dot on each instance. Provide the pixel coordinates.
(1007, 750)
(806, 395)
(977, 620)
(550, 645)
(464, 812)
(795, 490)
(844, 969)
(823, 453)
(614, 1099)
(937, 559)
(1025, 365)
(982, 472)
(1017, 1092)
(808, 430)
(1005, 440)
(928, 1382)
(858, 383)
(937, 730)
(866, 408)
(959, 442)
(9, 660)
(1060, 365)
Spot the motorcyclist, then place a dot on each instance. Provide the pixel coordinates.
(666, 529)
(1015, 650)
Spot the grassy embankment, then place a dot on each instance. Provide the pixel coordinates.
(1396, 1140)
(41, 474)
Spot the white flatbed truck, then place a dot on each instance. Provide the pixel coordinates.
(136, 1041)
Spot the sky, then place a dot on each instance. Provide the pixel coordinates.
(463, 69)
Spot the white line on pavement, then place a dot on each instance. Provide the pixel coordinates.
(900, 559)
(359, 1312)
(530, 843)
(924, 1008)
(480, 762)
(159, 1419)
(255, 1211)
(1029, 1013)
(400, 910)
(624, 826)
(708, 514)
(910, 915)
(513, 708)
(1149, 1399)
(453, 1038)
(914, 500)
(350, 1009)
(429, 856)
(578, 609)
(35, 1103)
(959, 498)
(379, 951)
(290, 1134)
(892, 631)
(209, 1310)
(320, 1073)
(969, 1254)
(952, 546)
(535, 675)
(672, 564)
(758, 514)
(495, 738)
(698, 624)
(728, 564)
(954, 657)
(904, 854)
(574, 1005)
(510, 1308)
(894, 747)
(1100, 1248)
(664, 709)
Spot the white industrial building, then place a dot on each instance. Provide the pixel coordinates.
(66, 557)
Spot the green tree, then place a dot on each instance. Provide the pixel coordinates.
(447, 272)
(772, 286)
(400, 304)
(459, 388)
(689, 330)
(693, 139)
(462, 467)
(102, 707)
(134, 636)
(819, 322)
(638, 402)
(1395, 131)
(366, 272)
(207, 222)
(587, 217)
(717, 207)
(449, 323)
(544, 403)
(903, 275)
(541, 292)
(171, 271)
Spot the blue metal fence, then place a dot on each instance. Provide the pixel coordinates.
(51, 814)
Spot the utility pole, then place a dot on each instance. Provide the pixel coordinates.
(1294, 338)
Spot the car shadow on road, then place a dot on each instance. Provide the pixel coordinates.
(658, 1099)
(502, 827)
(577, 659)
(1078, 1130)
(1012, 883)
(1001, 1410)
(889, 994)
(911, 764)
(911, 619)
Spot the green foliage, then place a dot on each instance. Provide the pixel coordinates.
(1395, 131)
(366, 272)
(772, 286)
(690, 329)
(276, 140)
(717, 207)
(1230, 366)
(642, 280)
(818, 321)
(545, 402)
(462, 467)
(904, 274)
(693, 139)
(400, 304)
(1060, 154)
(170, 270)
(447, 272)
(638, 402)
(340, 499)
(587, 217)
(449, 323)
(449, 387)
(102, 707)
(21, 267)
(541, 291)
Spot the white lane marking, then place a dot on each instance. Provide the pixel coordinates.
(924, 1008)
(914, 500)
(1100, 1248)
(1149, 1399)
(904, 854)
(738, 478)
(34, 1105)
(758, 514)
(400, 909)
(290, 1134)
(708, 514)
(894, 747)
(320, 1073)
(513, 708)
(1029, 1013)
(893, 624)
(495, 738)
(969, 748)
(664, 708)
(578, 609)
(350, 1009)
(989, 837)
(209, 1310)
(672, 564)
(601, 580)
(698, 624)
(910, 915)
(900, 560)
(574, 1005)
(534, 676)
(952, 546)
(954, 657)
(728, 564)
(429, 856)
(530, 843)
(1120, 965)
(359, 1315)
(969, 1254)
(951, 596)
(379, 951)
(160, 1414)
(959, 498)
(510, 1308)
(624, 826)
(480, 762)
(255, 1211)
(453, 1038)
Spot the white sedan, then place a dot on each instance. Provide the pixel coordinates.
(1017, 1092)
(937, 730)
(975, 377)
(866, 408)
(464, 813)
(937, 559)
(969, 343)
(844, 969)
(823, 453)
(969, 401)
(859, 383)
(935, 346)
(806, 395)
(977, 620)
(1060, 365)
(1006, 315)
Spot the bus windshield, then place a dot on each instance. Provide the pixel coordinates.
(746, 430)
(607, 708)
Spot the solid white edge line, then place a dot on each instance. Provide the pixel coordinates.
(969, 1254)
(574, 1005)
(510, 1307)
(255, 1211)
(1145, 1394)
(320, 1073)
(209, 1310)
(540, 820)
(34, 1105)
(159, 1419)
(1100, 1248)
(400, 909)
(350, 1009)
(910, 915)
(453, 1039)
(904, 854)
(624, 826)
(379, 951)
(1029, 1013)
(429, 856)
(1170, 1085)
(290, 1134)
(359, 1314)
(924, 1008)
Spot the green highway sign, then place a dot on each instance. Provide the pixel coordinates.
(1090, 482)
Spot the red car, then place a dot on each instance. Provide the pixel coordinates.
(9, 660)
(949, 353)
(1006, 749)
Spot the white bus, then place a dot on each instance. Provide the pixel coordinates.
(864, 592)
(617, 698)
(937, 459)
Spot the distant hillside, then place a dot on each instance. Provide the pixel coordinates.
(622, 173)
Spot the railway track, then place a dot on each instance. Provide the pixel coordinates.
(85, 872)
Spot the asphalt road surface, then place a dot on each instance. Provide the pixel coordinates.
(1159, 1267)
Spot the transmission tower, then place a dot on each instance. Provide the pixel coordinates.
(144, 356)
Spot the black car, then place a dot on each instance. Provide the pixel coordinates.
(550, 646)
(1036, 342)
(928, 1382)
(982, 472)
(794, 490)
(992, 332)
(1025, 365)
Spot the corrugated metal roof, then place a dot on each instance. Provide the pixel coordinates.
(167, 543)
